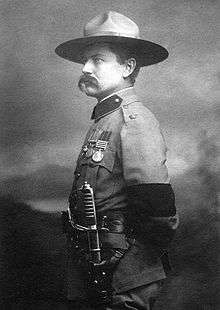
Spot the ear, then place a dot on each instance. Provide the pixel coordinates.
(130, 65)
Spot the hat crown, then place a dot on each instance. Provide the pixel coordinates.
(113, 24)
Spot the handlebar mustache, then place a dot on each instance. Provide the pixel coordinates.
(86, 78)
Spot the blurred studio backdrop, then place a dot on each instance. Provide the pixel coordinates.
(43, 120)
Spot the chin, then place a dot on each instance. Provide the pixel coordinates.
(91, 92)
(91, 95)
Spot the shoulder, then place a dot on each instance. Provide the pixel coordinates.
(137, 115)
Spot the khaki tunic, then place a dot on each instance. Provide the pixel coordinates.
(135, 154)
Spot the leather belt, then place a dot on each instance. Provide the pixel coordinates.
(114, 240)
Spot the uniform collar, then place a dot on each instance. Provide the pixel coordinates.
(113, 102)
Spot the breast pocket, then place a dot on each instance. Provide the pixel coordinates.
(108, 160)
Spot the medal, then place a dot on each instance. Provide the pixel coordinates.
(85, 148)
(97, 156)
(88, 148)
(101, 144)
(98, 147)
(89, 152)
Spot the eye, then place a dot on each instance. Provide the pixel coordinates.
(98, 60)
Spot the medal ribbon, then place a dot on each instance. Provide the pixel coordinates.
(101, 146)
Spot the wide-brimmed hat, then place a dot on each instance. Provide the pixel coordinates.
(113, 27)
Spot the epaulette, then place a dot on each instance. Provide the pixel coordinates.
(127, 112)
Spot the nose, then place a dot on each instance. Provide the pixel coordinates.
(87, 68)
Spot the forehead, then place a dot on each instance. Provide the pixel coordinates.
(99, 49)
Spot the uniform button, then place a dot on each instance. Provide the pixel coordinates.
(77, 174)
(117, 100)
(132, 116)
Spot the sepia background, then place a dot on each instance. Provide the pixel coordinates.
(43, 119)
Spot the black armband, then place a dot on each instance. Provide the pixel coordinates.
(152, 213)
(153, 199)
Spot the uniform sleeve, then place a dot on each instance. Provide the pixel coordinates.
(151, 198)
(143, 149)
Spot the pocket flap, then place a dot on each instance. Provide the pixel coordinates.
(106, 162)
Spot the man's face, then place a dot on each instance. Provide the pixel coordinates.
(102, 73)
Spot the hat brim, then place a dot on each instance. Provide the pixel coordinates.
(148, 53)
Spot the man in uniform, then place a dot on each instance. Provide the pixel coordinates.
(123, 159)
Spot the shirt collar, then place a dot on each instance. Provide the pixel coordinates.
(121, 91)
(111, 103)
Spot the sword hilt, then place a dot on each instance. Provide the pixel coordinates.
(91, 223)
(89, 206)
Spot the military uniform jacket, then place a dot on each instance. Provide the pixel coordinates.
(123, 148)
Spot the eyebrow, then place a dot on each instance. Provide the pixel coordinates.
(93, 56)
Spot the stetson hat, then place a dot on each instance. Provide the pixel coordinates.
(113, 27)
